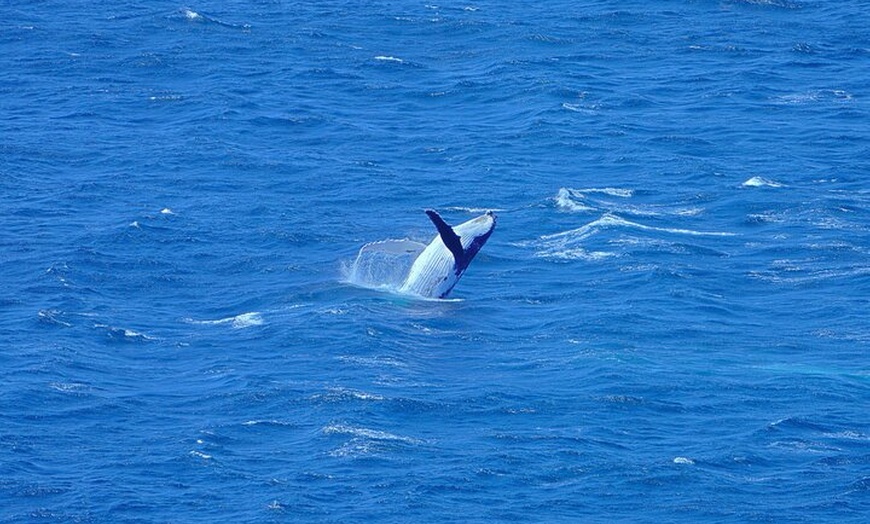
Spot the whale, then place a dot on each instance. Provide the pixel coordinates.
(438, 268)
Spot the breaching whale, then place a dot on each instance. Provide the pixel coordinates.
(443, 262)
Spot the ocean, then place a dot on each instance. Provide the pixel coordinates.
(670, 322)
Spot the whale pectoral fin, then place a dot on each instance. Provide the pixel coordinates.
(448, 236)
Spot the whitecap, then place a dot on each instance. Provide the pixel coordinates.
(579, 254)
(566, 199)
(848, 435)
(69, 387)
(579, 108)
(474, 210)
(809, 97)
(53, 316)
(343, 394)
(612, 191)
(246, 320)
(129, 333)
(583, 201)
(165, 98)
(758, 181)
(124, 333)
(242, 321)
(191, 14)
(683, 460)
(366, 433)
(271, 422)
(689, 211)
(384, 58)
(376, 361)
(615, 200)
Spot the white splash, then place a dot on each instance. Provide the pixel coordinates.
(383, 265)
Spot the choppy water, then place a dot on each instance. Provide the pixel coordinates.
(669, 324)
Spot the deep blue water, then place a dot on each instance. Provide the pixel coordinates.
(669, 324)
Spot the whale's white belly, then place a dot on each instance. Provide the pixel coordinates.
(441, 264)
(433, 272)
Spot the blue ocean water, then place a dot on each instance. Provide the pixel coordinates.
(670, 322)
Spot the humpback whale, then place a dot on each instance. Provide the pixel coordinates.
(443, 262)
